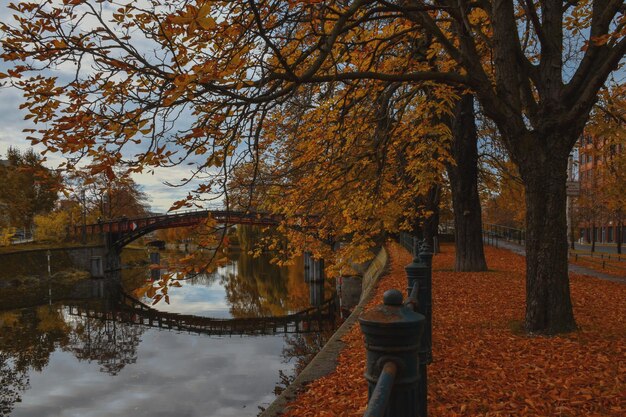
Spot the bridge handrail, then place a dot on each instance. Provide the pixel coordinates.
(173, 215)
(222, 212)
(141, 314)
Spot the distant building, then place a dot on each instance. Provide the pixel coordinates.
(596, 224)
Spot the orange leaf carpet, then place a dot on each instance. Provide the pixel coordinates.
(484, 364)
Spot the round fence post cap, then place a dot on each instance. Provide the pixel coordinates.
(392, 297)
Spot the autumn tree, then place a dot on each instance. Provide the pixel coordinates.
(53, 226)
(96, 198)
(107, 198)
(534, 68)
(388, 156)
(27, 187)
(358, 159)
(6, 235)
(501, 186)
(504, 202)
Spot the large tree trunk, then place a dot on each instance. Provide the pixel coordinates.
(548, 303)
(468, 239)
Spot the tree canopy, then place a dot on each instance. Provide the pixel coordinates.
(165, 82)
(27, 188)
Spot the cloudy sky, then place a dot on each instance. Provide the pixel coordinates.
(12, 124)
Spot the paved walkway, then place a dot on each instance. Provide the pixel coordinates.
(576, 269)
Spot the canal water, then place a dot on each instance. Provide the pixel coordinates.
(70, 347)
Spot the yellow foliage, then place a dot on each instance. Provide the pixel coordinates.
(6, 233)
(506, 205)
(52, 226)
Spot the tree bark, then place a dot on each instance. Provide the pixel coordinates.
(548, 303)
(468, 238)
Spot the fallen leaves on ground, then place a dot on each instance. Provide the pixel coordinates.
(484, 364)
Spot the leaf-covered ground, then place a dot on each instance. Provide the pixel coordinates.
(484, 365)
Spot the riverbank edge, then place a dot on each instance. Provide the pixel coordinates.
(27, 250)
(325, 361)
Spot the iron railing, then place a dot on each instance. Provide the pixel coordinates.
(408, 242)
(493, 232)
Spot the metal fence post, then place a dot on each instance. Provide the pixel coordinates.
(420, 272)
(425, 307)
(392, 334)
(425, 298)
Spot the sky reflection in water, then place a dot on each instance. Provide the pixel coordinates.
(175, 375)
(95, 368)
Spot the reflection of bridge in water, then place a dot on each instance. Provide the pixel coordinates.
(130, 310)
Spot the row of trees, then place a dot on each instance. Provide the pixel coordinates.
(27, 188)
(34, 197)
(91, 199)
(352, 110)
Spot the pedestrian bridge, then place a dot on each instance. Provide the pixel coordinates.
(129, 310)
(120, 232)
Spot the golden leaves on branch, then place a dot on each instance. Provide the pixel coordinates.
(194, 18)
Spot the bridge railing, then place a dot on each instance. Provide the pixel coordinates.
(128, 309)
(127, 224)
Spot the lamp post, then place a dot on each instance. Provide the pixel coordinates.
(49, 255)
(84, 216)
(572, 190)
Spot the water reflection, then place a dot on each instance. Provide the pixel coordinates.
(254, 286)
(30, 336)
(111, 344)
(82, 351)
